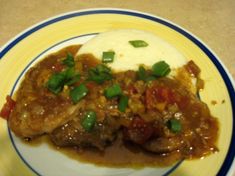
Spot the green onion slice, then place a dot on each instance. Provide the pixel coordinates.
(73, 80)
(113, 91)
(57, 80)
(99, 74)
(77, 93)
(123, 103)
(55, 83)
(161, 69)
(174, 125)
(89, 120)
(150, 78)
(138, 43)
(68, 73)
(70, 76)
(141, 73)
(108, 56)
(69, 61)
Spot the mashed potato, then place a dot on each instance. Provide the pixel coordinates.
(129, 57)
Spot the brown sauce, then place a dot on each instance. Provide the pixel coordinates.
(120, 154)
(117, 155)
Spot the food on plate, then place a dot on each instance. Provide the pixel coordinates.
(123, 87)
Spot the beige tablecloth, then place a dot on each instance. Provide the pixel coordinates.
(213, 21)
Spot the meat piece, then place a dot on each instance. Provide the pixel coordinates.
(37, 110)
(163, 145)
(72, 134)
(43, 115)
(139, 131)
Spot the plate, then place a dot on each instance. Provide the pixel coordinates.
(77, 27)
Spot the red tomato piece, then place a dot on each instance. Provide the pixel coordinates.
(132, 90)
(156, 95)
(90, 85)
(150, 98)
(163, 94)
(7, 107)
(183, 102)
(159, 94)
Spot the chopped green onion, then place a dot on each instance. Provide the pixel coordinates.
(101, 68)
(108, 56)
(57, 80)
(68, 73)
(113, 91)
(69, 61)
(55, 83)
(150, 78)
(141, 73)
(174, 125)
(89, 120)
(77, 93)
(70, 77)
(138, 43)
(123, 103)
(73, 80)
(99, 74)
(160, 69)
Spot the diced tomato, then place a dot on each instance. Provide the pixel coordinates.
(90, 85)
(156, 95)
(150, 98)
(7, 107)
(132, 90)
(160, 94)
(164, 94)
(139, 131)
(183, 102)
(191, 67)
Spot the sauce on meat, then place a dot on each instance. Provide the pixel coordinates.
(163, 98)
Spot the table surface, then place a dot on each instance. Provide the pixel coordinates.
(213, 21)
